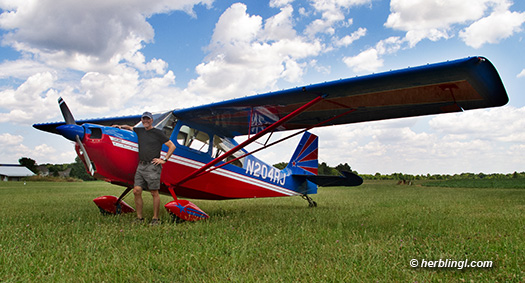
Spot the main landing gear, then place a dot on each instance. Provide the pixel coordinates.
(183, 210)
(311, 202)
(113, 205)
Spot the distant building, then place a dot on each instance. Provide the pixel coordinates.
(64, 173)
(13, 172)
(43, 170)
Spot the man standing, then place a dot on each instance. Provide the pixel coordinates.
(147, 176)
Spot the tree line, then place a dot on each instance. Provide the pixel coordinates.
(324, 169)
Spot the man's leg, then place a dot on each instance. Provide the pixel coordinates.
(137, 191)
(156, 203)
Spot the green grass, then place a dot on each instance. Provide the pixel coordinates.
(516, 183)
(54, 232)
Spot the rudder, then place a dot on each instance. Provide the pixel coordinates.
(304, 161)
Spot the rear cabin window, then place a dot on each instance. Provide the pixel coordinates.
(222, 145)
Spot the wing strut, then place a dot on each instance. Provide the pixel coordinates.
(278, 141)
(250, 140)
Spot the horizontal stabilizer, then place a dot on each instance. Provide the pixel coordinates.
(348, 179)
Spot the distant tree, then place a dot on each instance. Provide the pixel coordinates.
(280, 165)
(323, 169)
(343, 167)
(29, 163)
(78, 170)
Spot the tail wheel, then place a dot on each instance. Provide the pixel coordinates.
(311, 202)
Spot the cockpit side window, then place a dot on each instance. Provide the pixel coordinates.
(193, 138)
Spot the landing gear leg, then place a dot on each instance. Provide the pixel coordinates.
(311, 202)
(117, 204)
(176, 219)
(113, 205)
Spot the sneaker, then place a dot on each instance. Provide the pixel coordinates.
(138, 221)
(154, 222)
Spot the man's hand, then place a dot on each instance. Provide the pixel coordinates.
(158, 161)
(125, 127)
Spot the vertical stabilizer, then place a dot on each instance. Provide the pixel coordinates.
(304, 160)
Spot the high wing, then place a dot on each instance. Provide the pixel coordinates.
(432, 89)
(450, 86)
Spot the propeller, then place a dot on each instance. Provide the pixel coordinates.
(68, 117)
(70, 130)
(74, 132)
(86, 157)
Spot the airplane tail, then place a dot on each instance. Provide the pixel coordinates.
(304, 160)
(304, 167)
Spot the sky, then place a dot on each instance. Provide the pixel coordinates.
(121, 57)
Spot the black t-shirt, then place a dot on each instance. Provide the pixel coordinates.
(150, 143)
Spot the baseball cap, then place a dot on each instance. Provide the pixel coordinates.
(147, 114)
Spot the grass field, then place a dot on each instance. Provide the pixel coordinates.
(54, 232)
(479, 183)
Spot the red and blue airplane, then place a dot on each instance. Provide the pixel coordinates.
(209, 164)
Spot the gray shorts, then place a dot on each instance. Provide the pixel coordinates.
(147, 176)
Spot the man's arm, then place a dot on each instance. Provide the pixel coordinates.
(171, 148)
(125, 127)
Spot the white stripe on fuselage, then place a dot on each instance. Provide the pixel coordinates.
(125, 144)
(122, 143)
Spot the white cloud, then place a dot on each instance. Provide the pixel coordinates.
(502, 124)
(366, 61)
(7, 140)
(349, 39)
(370, 59)
(332, 12)
(22, 69)
(30, 101)
(280, 26)
(521, 74)
(280, 3)
(89, 53)
(492, 29)
(435, 20)
(247, 55)
(82, 35)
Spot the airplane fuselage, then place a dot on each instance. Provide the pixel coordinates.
(114, 153)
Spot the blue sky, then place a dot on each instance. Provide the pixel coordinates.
(120, 57)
